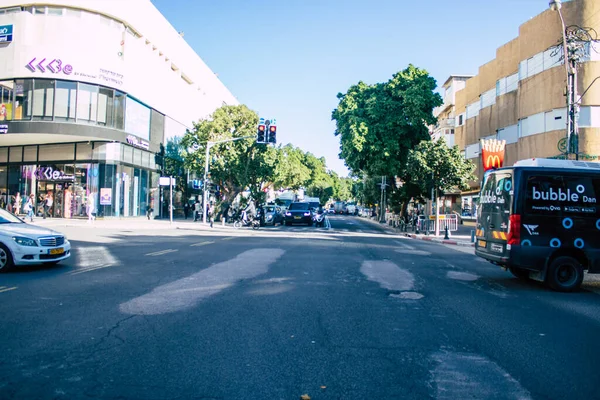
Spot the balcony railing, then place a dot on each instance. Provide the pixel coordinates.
(444, 123)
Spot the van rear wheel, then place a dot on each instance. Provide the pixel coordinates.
(565, 274)
(519, 272)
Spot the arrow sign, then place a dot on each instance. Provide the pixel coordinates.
(30, 65)
(40, 66)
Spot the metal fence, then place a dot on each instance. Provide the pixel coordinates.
(449, 221)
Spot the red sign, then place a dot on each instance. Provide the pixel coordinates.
(492, 153)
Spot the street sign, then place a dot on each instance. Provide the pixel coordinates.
(6, 33)
(164, 181)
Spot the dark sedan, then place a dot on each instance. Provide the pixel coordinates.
(299, 213)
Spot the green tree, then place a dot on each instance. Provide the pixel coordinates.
(237, 165)
(434, 165)
(290, 170)
(378, 124)
(175, 163)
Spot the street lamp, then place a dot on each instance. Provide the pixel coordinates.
(556, 5)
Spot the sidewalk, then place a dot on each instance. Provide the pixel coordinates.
(141, 223)
(462, 237)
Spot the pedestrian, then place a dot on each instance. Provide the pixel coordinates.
(18, 203)
(186, 209)
(29, 207)
(46, 204)
(211, 213)
(91, 207)
(197, 210)
(149, 211)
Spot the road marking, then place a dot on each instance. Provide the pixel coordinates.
(162, 252)
(81, 271)
(388, 275)
(201, 244)
(6, 289)
(93, 258)
(404, 245)
(187, 292)
(471, 376)
(229, 238)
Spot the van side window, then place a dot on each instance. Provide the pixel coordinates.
(543, 195)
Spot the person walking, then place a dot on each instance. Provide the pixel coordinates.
(211, 213)
(91, 207)
(30, 207)
(18, 208)
(149, 211)
(186, 209)
(197, 210)
(47, 204)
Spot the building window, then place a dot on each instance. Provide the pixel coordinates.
(137, 119)
(55, 11)
(87, 103)
(39, 10)
(23, 97)
(119, 110)
(460, 120)
(43, 99)
(6, 100)
(105, 107)
(66, 101)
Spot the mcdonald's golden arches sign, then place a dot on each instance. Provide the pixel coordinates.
(492, 153)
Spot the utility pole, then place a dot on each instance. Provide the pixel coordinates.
(383, 185)
(171, 200)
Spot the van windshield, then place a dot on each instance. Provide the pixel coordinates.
(495, 202)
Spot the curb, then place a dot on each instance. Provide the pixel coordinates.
(441, 241)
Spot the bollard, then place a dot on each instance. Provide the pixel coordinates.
(446, 237)
(472, 236)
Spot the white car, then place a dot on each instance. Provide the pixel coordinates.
(25, 244)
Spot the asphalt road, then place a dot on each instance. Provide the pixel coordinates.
(350, 313)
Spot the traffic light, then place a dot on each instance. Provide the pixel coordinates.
(272, 136)
(260, 135)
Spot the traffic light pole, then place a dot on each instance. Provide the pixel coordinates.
(206, 168)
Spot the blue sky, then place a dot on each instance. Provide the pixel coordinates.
(288, 59)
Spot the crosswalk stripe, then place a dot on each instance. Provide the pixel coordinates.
(162, 252)
(229, 238)
(7, 289)
(201, 244)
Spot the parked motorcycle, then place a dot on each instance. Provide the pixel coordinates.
(319, 218)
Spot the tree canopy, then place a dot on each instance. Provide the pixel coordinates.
(378, 124)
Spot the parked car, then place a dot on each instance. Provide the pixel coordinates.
(27, 244)
(299, 213)
(272, 215)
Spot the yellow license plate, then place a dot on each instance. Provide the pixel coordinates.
(60, 250)
(481, 243)
(297, 217)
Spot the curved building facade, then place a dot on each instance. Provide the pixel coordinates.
(88, 92)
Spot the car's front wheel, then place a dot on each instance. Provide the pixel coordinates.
(6, 260)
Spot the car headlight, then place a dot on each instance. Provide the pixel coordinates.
(306, 214)
(289, 214)
(269, 217)
(24, 241)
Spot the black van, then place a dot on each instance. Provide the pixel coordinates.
(540, 219)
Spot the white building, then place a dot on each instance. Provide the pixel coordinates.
(445, 113)
(88, 92)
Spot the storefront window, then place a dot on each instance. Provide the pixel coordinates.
(61, 152)
(105, 107)
(119, 110)
(87, 103)
(16, 154)
(43, 99)
(23, 97)
(137, 119)
(106, 190)
(30, 153)
(6, 100)
(66, 100)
